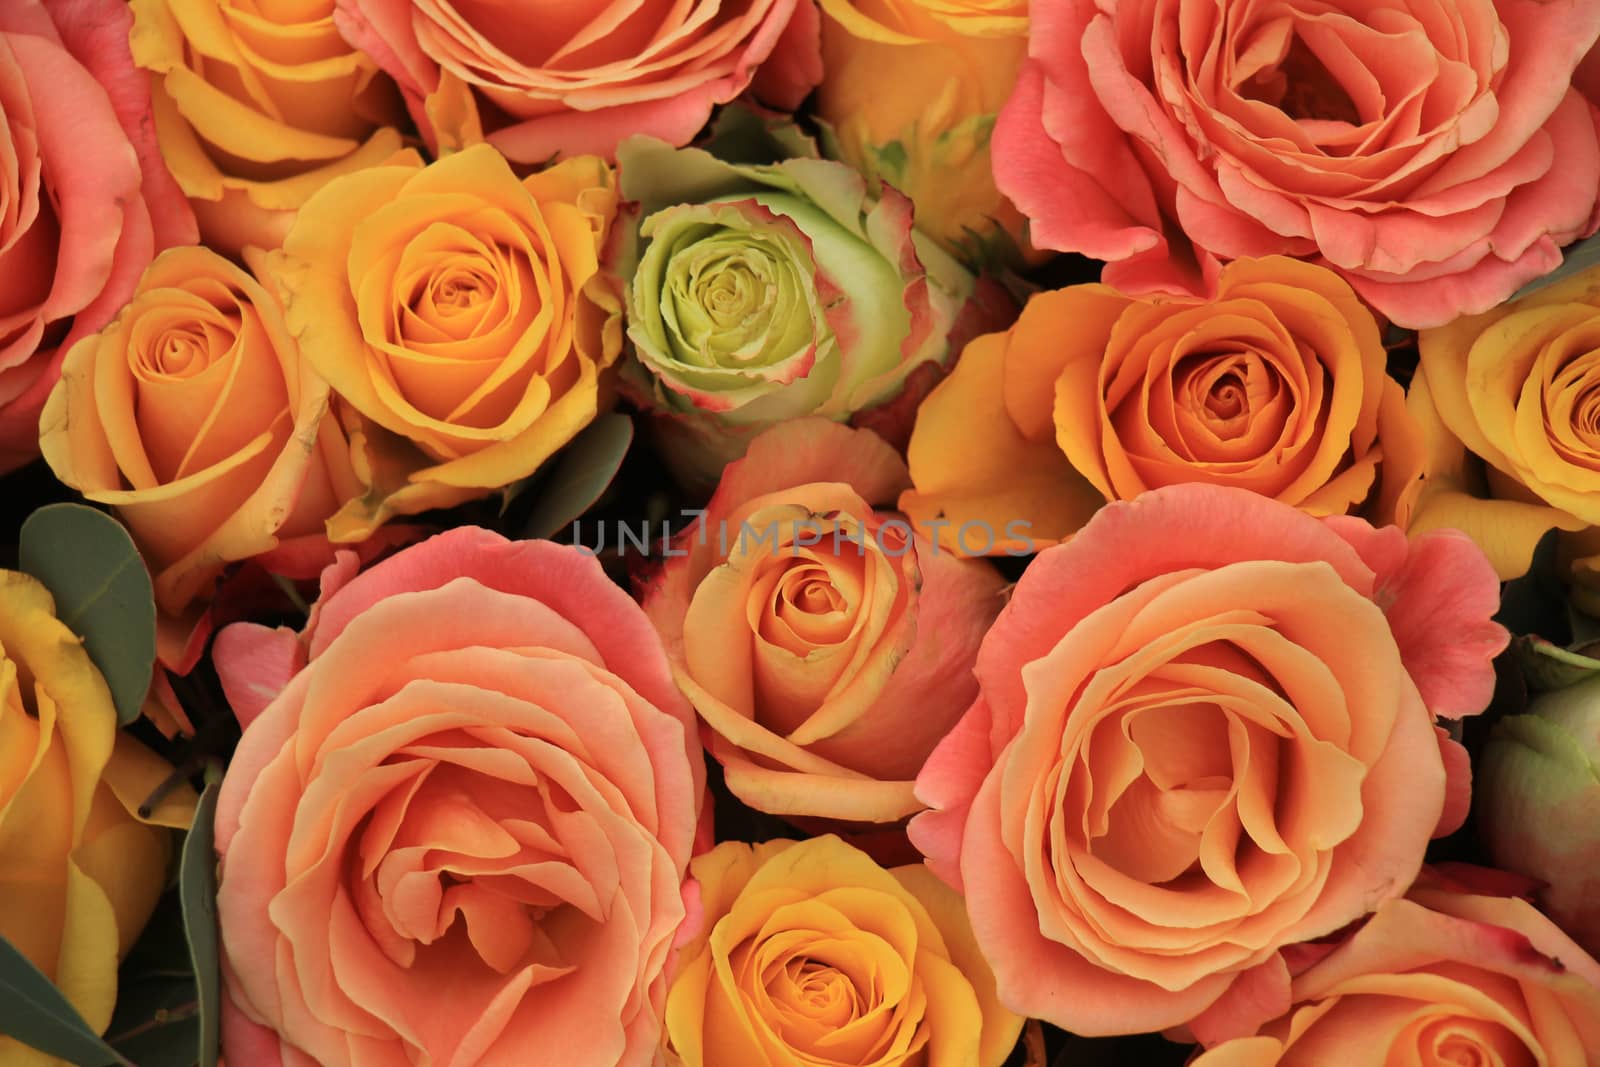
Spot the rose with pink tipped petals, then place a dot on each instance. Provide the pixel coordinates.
(1434, 153)
(1204, 733)
(547, 78)
(461, 829)
(85, 201)
(1444, 976)
(826, 647)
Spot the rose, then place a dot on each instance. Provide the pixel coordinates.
(195, 416)
(80, 871)
(481, 784)
(1539, 782)
(970, 18)
(257, 106)
(1515, 388)
(86, 198)
(461, 310)
(826, 648)
(812, 953)
(1204, 733)
(580, 77)
(1276, 385)
(1435, 156)
(1442, 977)
(909, 97)
(765, 292)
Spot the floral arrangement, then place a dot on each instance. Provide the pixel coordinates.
(800, 533)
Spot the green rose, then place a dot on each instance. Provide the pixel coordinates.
(765, 291)
(1537, 793)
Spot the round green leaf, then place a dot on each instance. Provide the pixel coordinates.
(102, 592)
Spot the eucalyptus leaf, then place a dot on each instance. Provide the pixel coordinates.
(197, 889)
(34, 1011)
(1577, 257)
(579, 475)
(157, 1023)
(102, 592)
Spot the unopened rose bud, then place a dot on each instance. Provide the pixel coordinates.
(1538, 790)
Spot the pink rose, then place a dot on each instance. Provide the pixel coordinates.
(578, 76)
(1203, 734)
(826, 646)
(459, 833)
(85, 201)
(1434, 153)
(1446, 976)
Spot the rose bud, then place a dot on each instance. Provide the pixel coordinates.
(1538, 788)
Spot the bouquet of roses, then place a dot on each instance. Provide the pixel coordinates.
(799, 533)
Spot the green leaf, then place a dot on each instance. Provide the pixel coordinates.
(39, 1016)
(102, 592)
(1577, 257)
(579, 475)
(197, 889)
(157, 1022)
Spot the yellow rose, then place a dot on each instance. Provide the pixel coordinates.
(812, 953)
(1509, 402)
(909, 97)
(462, 310)
(257, 105)
(79, 872)
(195, 417)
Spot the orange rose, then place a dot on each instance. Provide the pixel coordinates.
(257, 106)
(1443, 977)
(826, 648)
(1202, 735)
(461, 310)
(85, 200)
(811, 953)
(458, 834)
(194, 415)
(1278, 385)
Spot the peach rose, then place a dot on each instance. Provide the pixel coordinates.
(257, 106)
(463, 312)
(85, 201)
(1434, 154)
(1443, 977)
(458, 834)
(1276, 385)
(1204, 733)
(194, 415)
(80, 871)
(826, 648)
(579, 76)
(1508, 402)
(811, 953)
(909, 97)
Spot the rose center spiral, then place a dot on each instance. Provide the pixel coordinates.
(1303, 88)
